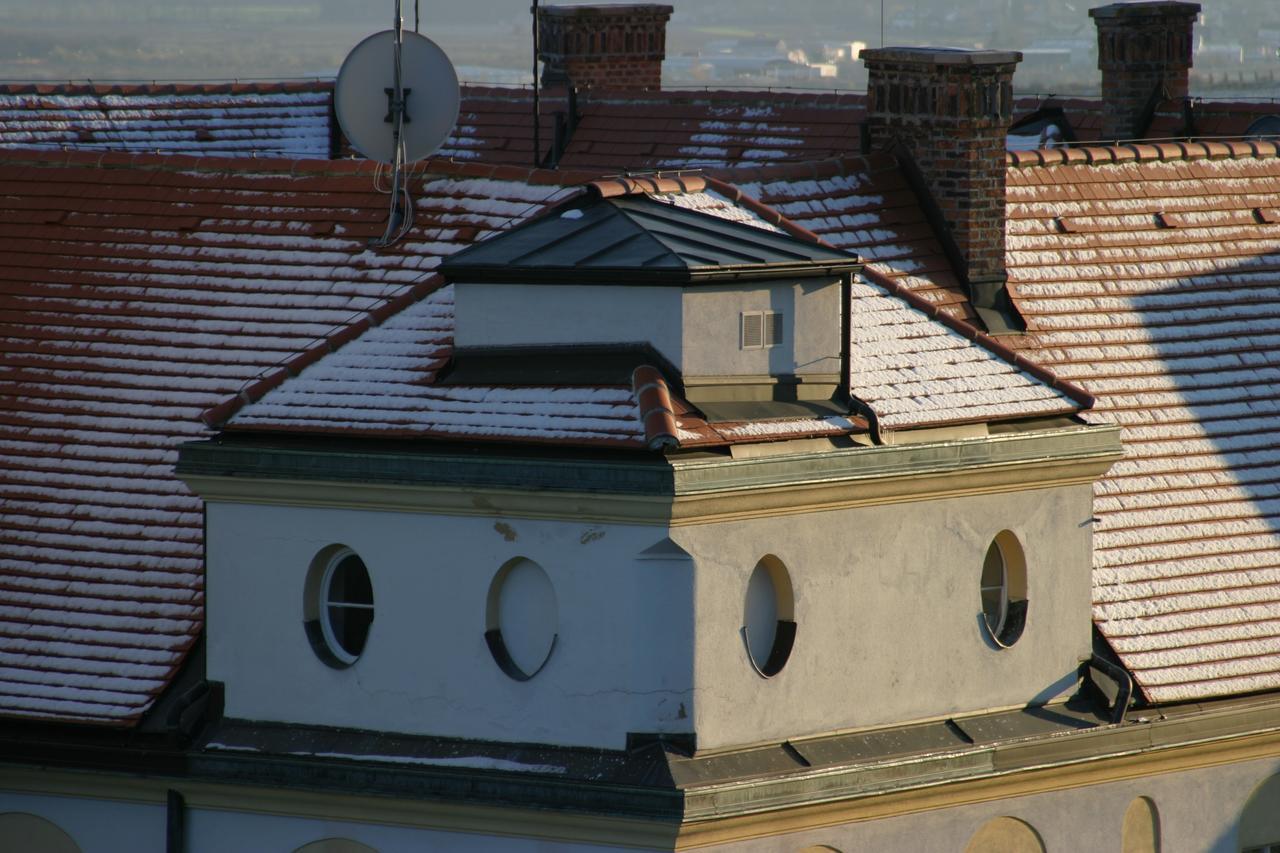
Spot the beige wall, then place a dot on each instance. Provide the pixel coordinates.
(696, 328)
(811, 340)
(888, 614)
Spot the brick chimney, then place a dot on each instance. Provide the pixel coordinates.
(1144, 53)
(948, 111)
(613, 47)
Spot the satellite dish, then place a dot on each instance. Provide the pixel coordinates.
(365, 90)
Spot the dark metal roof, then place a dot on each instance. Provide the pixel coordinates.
(634, 239)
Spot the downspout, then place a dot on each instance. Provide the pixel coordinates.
(1122, 679)
(175, 833)
(846, 360)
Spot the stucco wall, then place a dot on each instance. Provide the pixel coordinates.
(621, 662)
(699, 336)
(503, 315)
(811, 337)
(889, 624)
(1199, 812)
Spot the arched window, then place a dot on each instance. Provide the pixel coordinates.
(335, 845)
(1005, 835)
(1003, 589)
(1141, 830)
(1260, 819)
(32, 834)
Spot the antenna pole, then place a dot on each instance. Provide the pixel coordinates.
(396, 217)
(537, 129)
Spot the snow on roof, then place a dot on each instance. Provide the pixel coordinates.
(229, 120)
(864, 205)
(137, 292)
(712, 129)
(914, 371)
(1148, 275)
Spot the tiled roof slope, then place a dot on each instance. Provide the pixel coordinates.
(222, 119)
(1148, 274)
(136, 292)
(863, 205)
(681, 130)
(911, 369)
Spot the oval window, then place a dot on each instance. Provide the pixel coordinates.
(769, 627)
(1004, 589)
(339, 606)
(521, 619)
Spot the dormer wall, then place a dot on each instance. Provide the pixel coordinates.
(706, 331)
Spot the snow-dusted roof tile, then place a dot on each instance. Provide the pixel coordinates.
(139, 291)
(1173, 327)
(228, 120)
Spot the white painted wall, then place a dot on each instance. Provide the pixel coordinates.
(696, 328)
(621, 663)
(220, 832)
(888, 614)
(96, 825)
(504, 315)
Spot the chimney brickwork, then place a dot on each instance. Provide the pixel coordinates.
(1144, 52)
(608, 47)
(951, 109)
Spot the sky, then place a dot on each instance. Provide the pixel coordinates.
(489, 40)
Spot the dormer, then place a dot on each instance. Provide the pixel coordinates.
(743, 318)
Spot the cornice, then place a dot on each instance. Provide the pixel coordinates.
(675, 490)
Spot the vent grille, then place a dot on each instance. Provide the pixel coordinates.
(761, 329)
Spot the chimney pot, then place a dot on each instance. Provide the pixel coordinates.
(1144, 53)
(606, 46)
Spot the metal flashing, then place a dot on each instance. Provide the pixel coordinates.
(634, 239)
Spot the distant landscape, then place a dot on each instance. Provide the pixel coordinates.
(713, 43)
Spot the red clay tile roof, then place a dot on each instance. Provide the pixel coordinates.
(1175, 330)
(681, 130)
(863, 205)
(136, 292)
(223, 119)
(909, 368)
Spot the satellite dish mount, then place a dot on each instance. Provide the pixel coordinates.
(393, 137)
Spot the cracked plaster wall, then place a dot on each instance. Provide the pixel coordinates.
(620, 664)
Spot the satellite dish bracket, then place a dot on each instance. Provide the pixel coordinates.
(399, 105)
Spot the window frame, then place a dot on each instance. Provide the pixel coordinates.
(319, 601)
(1011, 623)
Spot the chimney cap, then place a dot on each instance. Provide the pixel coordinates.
(607, 10)
(1146, 9)
(940, 56)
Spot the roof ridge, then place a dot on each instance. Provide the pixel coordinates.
(155, 87)
(1143, 152)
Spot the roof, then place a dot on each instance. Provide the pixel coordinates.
(712, 129)
(921, 368)
(618, 235)
(136, 293)
(221, 119)
(863, 205)
(1148, 275)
